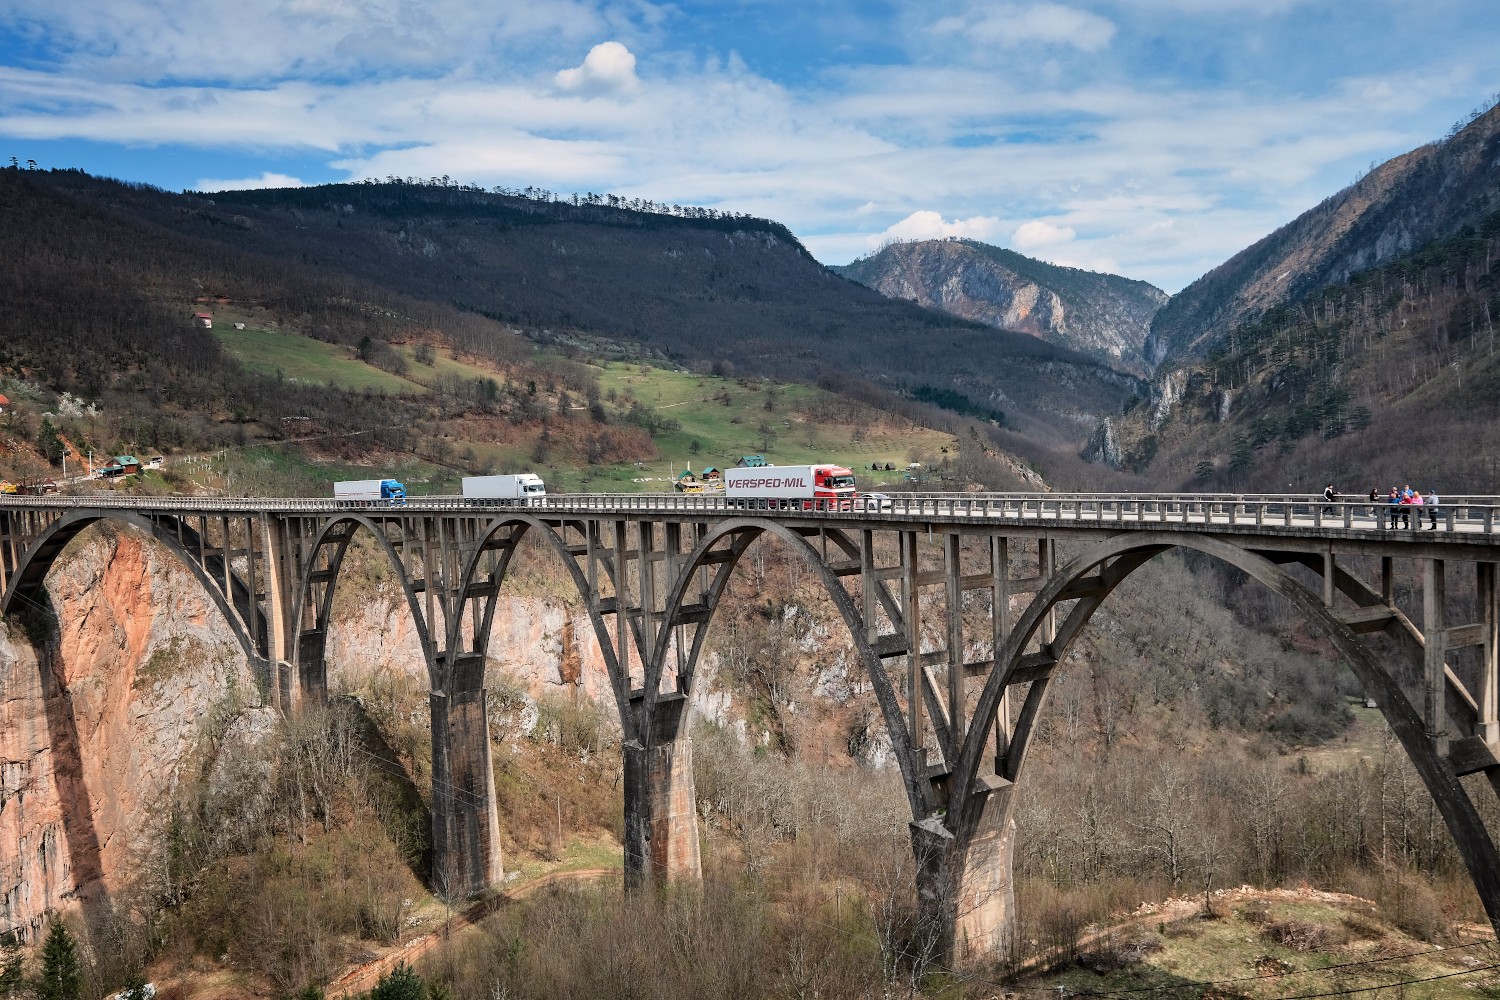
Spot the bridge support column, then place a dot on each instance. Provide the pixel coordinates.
(965, 890)
(465, 826)
(661, 813)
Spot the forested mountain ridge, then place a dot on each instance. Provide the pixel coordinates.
(692, 285)
(1103, 315)
(1430, 193)
(1390, 377)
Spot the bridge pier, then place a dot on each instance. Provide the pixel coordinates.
(466, 855)
(661, 813)
(966, 898)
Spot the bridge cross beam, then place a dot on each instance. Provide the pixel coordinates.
(964, 846)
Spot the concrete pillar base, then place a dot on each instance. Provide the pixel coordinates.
(661, 813)
(465, 825)
(965, 891)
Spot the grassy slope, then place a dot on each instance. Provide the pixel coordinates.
(721, 415)
(267, 352)
(1256, 945)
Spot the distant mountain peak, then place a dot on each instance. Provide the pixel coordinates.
(1103, 315)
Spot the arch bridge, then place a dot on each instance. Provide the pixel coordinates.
(961, 608)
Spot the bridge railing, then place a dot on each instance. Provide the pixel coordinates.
(1460, 513)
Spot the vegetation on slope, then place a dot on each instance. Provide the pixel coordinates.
(1355, 384)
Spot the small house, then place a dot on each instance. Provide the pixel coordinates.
(121, 465)
(712, 477)
(752, 462)
(203, 321)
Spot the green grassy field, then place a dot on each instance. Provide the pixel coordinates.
(715, 421)
(303, 359)
(724, 417)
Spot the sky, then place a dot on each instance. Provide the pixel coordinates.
(1149, 138)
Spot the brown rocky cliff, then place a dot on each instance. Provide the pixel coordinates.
(94, 726)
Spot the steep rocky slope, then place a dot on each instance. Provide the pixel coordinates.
(1429, 193)
(1102, 315)
(92, 736)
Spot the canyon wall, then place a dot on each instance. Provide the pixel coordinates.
(99, 722)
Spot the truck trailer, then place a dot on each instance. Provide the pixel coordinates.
(504, 491)
(369, 493)
(823, 487)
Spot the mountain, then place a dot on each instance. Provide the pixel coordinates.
(1427, 194)
(1102, 315)
(734, 293)
(1356, 344)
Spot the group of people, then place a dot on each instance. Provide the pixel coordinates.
(1398, 504)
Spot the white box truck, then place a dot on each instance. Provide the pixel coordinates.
(822, 487)
(369, 493)
(504, 491)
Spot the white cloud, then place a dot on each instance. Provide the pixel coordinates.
(265, 180)
(1040, 233)
(1011, 26)
(929, 225)
(608, 68)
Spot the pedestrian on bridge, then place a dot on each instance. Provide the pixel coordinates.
(1394, 503)
(1374, 505)
(1331, 497)
(1432, 509)
(1409, 498)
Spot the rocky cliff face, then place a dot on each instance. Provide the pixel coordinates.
(95, 723)
(1101, 315)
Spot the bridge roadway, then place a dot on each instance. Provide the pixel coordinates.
(960, 609)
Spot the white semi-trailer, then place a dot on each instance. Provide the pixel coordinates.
(809, 486)
(369, 492)
(500, 491)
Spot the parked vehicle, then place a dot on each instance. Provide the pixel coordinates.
(807, 486)
(504, 491)
(369, 493)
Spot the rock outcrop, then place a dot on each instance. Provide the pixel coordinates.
(1102, 315)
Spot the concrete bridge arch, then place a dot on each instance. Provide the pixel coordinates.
(961, 855)
(26, 586)
(652, 572)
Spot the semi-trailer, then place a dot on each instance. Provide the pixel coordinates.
(504, 491)
(369, 493)
(808, 486)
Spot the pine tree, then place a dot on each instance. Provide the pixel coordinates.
(401, 983)
(62, 976)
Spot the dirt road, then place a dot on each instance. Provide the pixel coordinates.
(362, 978)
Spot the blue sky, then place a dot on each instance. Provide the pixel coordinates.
(1152, 138)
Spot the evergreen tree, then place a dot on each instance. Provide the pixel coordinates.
(402, 983)
(62, 976)
(10, 966)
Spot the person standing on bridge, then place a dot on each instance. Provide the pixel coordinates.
(1404, 499)
(1331, 497)
(1374, 505)
(1432, 510)
(1394, 502)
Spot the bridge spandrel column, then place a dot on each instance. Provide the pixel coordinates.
(661, 813)
(965, 882)
(465, 825)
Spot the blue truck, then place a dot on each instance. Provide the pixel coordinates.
(369, 493)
